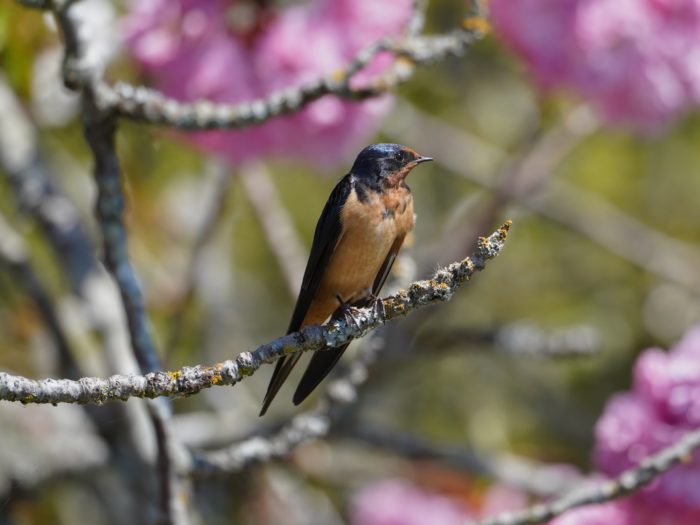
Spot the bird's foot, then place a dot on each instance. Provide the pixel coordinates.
(377, 306)
(347, 313)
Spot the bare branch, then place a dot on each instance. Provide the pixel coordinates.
(13, 257)
(32, 184)
(153, 107)
(302, 428)
(190, 380)
(214, 210)
(171, 502)
(282, 239)
(99, 129)
(521, 339)
(629, 481)
(517, 472)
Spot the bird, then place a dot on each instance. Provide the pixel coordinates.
(358, 235)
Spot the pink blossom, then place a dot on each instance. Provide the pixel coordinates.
(228, 52)
(395, 502)
(613, 513)
(635, 60)
(663, 405)
(501, 498)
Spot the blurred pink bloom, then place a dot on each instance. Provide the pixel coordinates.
(235, 51)
(500, 498)
(663, 405)
(613, 513)
(637, 61)
(395, 502)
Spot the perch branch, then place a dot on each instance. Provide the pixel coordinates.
(190, 380)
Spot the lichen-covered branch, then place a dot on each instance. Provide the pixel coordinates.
(99, 128)
(629, 481)
(302, 428)
(151, 106)
(190, 380)
(100, 135)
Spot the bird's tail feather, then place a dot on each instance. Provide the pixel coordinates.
(321, 363)
(282, 370)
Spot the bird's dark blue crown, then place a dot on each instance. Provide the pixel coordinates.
(368, 157)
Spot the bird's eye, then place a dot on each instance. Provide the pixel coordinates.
(400, 156)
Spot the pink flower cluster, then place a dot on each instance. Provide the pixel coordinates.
(637, 61)
(232, 51)
(396, 502)
(663, 404)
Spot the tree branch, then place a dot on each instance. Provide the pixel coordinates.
(147, 105)
(626, 483)
(277, 225)
(99, 128)
(190, 380)
(14, 258)
(153, 107)
(515, 471)
(302, 428)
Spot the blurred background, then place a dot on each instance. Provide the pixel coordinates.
(476, 405)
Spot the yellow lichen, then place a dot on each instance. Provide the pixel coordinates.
(338, 75)
(476, 23)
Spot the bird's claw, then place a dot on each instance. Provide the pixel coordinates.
(349, 314)
(377, 306)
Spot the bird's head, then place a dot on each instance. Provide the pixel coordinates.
(386, 164)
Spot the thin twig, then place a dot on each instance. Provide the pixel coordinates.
(626, 483)
(153, 107)
(519, 339)
(282, 238)
(14, 257)
(214, 211)
(517, 472)
(190, 380)
(171, 500)
(31, 182)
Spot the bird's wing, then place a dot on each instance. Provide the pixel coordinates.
(322, 362)
(326, 237)
(387, 265)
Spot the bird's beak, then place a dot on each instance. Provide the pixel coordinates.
(423, 159)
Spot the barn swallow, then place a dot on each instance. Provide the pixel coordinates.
(359, 233)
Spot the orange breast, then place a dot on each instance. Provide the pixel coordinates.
(369, 230)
